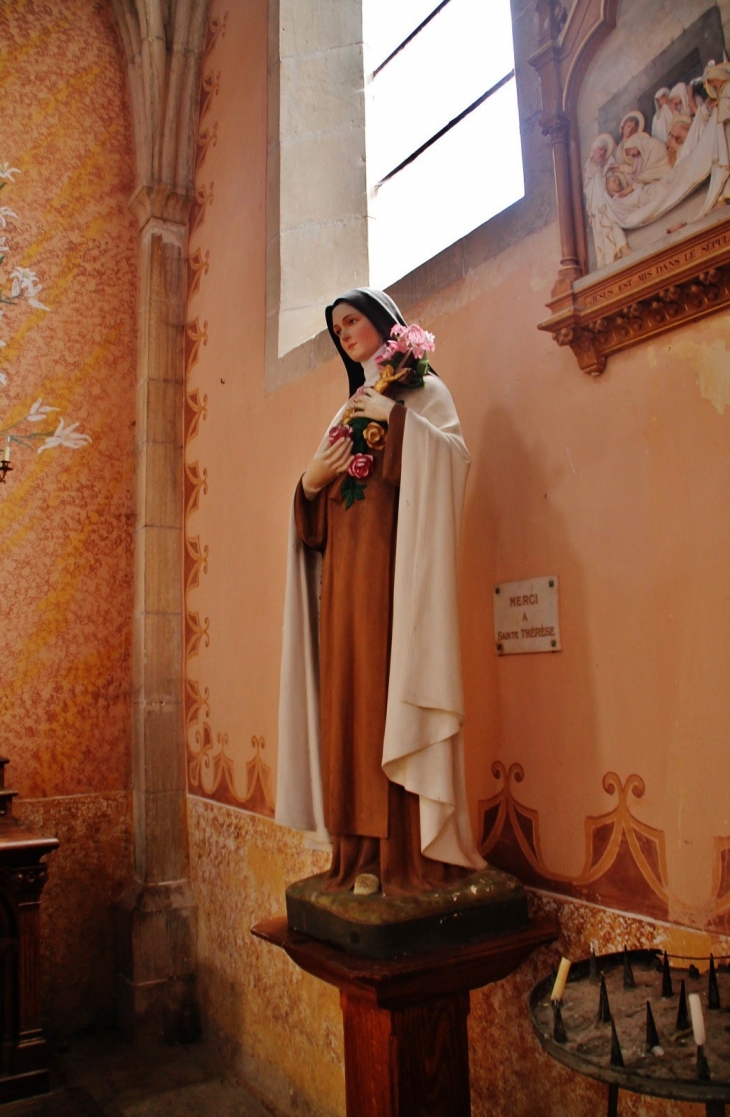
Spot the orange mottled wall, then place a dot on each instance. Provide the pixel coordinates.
(66, 513)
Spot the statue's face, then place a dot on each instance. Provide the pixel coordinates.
(600, 154)
(631, 126)
(357, 335)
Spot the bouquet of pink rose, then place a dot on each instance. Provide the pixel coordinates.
(365, 436)
(403, 363)
(404, 360)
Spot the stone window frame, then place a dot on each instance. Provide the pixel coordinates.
(532, 212)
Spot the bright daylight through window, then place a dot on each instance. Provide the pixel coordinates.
(442, 127)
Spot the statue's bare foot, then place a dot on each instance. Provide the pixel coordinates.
(366, 884)
(677, 227)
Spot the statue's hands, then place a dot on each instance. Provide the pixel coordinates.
(372, 405)
(325, 466)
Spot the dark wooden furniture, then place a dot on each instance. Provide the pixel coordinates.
(406, 1048)
(23, 1052)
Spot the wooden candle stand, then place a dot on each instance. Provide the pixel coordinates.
(406, 1049)
(23, 1051)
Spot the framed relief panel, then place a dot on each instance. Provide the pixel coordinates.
(636, 102)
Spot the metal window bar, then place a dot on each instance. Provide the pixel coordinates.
(447, 127)
(409, 38)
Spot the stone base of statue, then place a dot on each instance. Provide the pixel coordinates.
(486, 903)
(405, 1019)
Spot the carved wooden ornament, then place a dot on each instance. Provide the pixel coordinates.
(620, 305)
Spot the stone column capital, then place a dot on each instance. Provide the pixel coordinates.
(162, 203)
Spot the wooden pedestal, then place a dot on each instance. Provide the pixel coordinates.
(23, 1052)
(406, 1049)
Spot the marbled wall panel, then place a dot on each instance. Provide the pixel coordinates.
(66, 514)
(284, 1028)
(86, 875)
(282, 1024)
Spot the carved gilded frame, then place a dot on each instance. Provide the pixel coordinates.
(599, 314)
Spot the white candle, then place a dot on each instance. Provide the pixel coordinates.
(560, 980)
(6, 452)
(698, 1024)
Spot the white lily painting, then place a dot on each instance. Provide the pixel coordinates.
(40, 428)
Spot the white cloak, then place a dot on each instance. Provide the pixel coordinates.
(423, 746)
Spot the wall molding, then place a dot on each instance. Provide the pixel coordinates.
(624, 867)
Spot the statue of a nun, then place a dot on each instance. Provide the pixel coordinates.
(371, 707)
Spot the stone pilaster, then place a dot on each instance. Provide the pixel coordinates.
(156, 916)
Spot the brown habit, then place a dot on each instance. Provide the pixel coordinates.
(374, 823)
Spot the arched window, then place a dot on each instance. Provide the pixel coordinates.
(442, 126)
(393, 132)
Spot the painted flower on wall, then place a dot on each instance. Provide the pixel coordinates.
(65, 436)
(25, 282)
(20, 286)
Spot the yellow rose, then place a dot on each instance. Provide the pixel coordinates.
(374, 435)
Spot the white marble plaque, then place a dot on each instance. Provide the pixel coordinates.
(526, 616)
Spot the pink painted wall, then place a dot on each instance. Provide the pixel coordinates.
(613, 484)
(617, 485)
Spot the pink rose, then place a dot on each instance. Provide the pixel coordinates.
(336, 433)
(407, 339)
(389, 352)
(361, 466)
(419, 341)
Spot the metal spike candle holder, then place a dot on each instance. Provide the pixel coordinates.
(713, 991)
(592, 967)
(629, 982)
(558, 1027)
(652, 1036)
(623, 1019)
(604, 1009)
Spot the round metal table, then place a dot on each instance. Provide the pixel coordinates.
(669, 1071)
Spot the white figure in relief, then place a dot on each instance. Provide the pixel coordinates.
(663, 115)
(600, 157)
(679, 100)
(678, 132)
(646, 159)
(646, 176)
